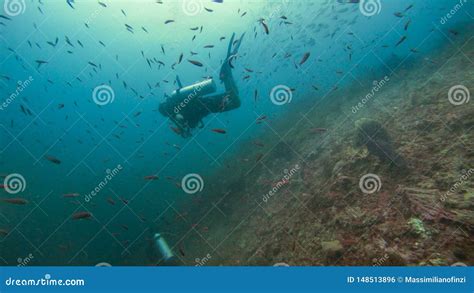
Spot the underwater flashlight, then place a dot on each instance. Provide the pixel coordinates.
(163, 247)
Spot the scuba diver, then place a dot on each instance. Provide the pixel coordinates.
(187, 106)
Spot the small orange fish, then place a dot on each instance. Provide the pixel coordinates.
(318, 130)
(304, 58)
(219, 130)
(81, 215)
(265, 26)
(111, 201)
(17, 200)
(194, 62)
(68, 195)
(53, 160)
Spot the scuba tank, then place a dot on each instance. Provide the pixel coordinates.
(202, 88)
(161, 245)
(160, 253)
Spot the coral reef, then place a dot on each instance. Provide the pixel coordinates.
(425, 203)
(429, 205)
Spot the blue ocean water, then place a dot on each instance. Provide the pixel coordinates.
(62, 141)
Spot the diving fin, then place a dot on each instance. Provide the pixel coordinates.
(178, 81)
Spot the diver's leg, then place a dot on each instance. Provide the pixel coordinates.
(226, 66)
(229, 47)
(229, 82)
(237, 46)
(231, 97)
(231, 52)
(231, 90)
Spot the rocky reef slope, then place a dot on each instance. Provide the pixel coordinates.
(383, 180)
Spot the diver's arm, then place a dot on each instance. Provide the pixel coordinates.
(181, 125)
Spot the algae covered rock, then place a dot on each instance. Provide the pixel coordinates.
(417, 227)
(374, 136)
(332, 249)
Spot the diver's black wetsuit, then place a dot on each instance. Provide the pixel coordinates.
(199, 107)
